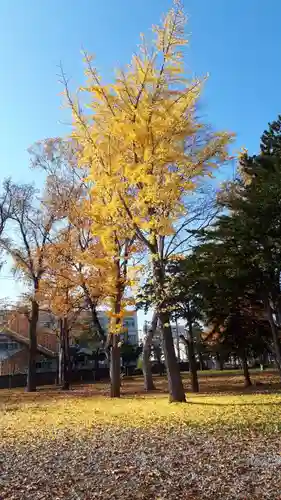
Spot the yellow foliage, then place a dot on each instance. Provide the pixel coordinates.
(144, 147)
(135, 141)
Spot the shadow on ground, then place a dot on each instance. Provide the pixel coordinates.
(224, 384)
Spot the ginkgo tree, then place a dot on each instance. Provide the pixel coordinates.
(97, 249)
(145, 146)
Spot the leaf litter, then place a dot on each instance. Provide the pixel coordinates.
(72, 448)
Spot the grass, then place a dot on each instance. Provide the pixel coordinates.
(223, 415)
(227, 404)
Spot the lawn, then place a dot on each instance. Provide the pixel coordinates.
(223, 444)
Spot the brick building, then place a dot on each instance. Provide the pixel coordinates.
(14, 344)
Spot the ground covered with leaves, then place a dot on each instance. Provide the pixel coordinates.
(84, 446)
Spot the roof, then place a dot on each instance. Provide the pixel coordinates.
(21, 339)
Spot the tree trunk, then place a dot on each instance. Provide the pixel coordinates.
(220, 362)
(146, 364)
(176, 389)
(96, 321)
(191, 355)
(115, 351)
(246, 372)
(96, 364)
(115, 379)
(65, 358)
(192, 366)
(275, 338)
(32, 352)
(201, 360)
(178, 341)
(175, 384)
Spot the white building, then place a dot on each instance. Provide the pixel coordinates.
(180, 347)
(130, 324)
(177, 330)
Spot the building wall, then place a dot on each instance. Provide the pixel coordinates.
(18, 362)
(130, 323)
(45, 337)
(14, 355)
(15, 363)
(48, 339)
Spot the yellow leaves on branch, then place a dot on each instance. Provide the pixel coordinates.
(142, 141)
(144, 147)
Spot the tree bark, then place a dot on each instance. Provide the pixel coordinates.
(65, 357)
(32, 352)
(176, 390)
(146, 364)
(201, 360)
(115, 379)
(220, 361)
(275, 338)
(175, 384)
(191, 354)
(192, 364)
(115, 351)
(96, 321)
(246, 372)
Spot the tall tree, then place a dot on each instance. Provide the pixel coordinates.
(143, 141)
(31, 225)
(231, 286)
(68, 193)
(81, 209)
(185, 303)
(254, 224)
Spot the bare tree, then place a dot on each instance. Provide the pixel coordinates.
(68, 193)
(6, 208)
(30, 230)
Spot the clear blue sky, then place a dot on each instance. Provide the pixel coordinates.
(238, 42)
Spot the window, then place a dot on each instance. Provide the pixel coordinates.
(129, 322)
(9, 346)
(44, 365)
(12, 346)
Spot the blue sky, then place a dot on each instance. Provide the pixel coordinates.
(238, 42)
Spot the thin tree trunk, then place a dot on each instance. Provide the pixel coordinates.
(115, 365)
(201, 361)
(186, 351)
(96, 364)
(220, 361)
(176, 389)
(115, 379)
(192, 367)
(146, 363)
(65, 358)
(178, 341)
(191, 354)
(246, 372)
(96, 321)
(275, 338)
(32, 352)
